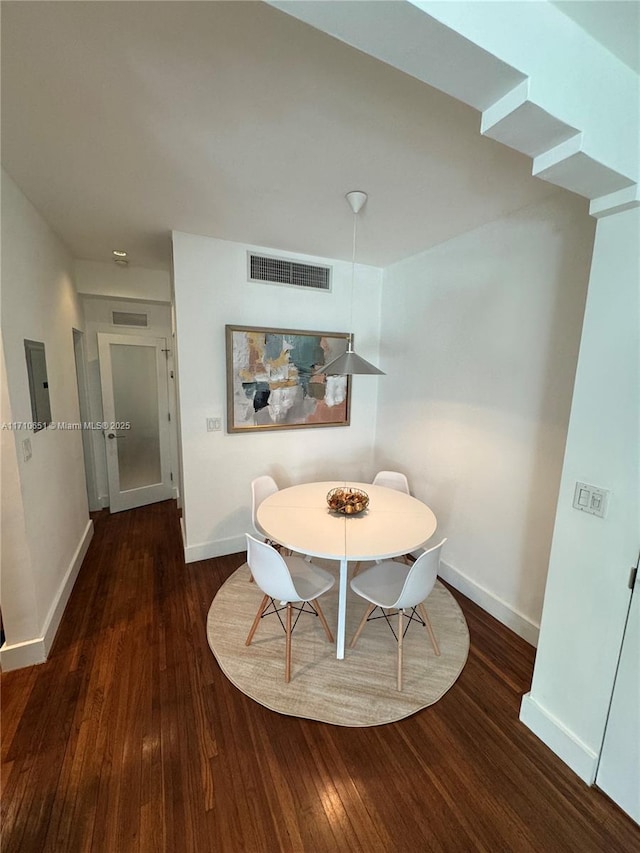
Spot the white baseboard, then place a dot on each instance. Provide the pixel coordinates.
(19, 655)
(566, 745)
(36, 650)
(57, 608)
(503, 612)
(217, 548)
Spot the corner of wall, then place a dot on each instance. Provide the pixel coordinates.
(36, 649)
(496, 607)
(560, 740)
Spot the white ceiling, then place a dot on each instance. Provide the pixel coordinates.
(122, 121)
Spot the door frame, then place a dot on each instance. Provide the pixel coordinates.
(82, 379)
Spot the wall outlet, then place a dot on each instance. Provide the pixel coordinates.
(214, 424)
(591, 499)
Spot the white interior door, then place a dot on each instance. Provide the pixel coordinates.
(133, 375)
(619, 769)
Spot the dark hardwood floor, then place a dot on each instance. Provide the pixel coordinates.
(130, 738)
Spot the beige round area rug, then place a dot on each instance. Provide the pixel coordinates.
(357, 691)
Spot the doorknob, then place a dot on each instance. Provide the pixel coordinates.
(111, 435)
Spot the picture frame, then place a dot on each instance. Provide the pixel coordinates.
(272, 381)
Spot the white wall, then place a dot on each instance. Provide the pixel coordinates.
(587, 594)
(480, 335)
(211, 290)
(39, 302)
(18, 595)
(96, 278)
(98, 313)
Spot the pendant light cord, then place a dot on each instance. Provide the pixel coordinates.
(353, 277)
(350, 363)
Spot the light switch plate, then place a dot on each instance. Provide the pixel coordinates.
(214, 424)
(591, 499)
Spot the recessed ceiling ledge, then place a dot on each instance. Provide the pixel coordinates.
(582, 174)
(521, 124)
(617, 202)
(556, 155)
(505, 106)
(408, 37)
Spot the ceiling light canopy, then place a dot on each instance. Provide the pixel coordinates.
(350, 363)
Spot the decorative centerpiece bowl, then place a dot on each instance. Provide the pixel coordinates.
(347, 500)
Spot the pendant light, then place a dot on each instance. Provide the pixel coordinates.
(349, 362)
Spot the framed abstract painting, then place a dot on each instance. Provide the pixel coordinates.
(272, 381)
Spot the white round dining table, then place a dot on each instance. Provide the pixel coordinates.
(393, 524)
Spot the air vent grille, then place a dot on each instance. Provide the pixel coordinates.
(128, 318)
(292, 273)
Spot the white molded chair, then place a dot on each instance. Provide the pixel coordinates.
(291, 581)
(392, 480)
(261, 488)
(391, 586)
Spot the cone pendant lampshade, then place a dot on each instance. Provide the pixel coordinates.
(350, 363)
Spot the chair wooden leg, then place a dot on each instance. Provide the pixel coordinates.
(356, 569)
(316, 604)
(400, 631)
(425, 616)
(287, 668)
(368, 612)
(256, 621)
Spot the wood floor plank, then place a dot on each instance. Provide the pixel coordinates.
(14, 701)
(130, 738)
(335, 785)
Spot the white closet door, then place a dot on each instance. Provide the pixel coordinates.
(619, 769)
